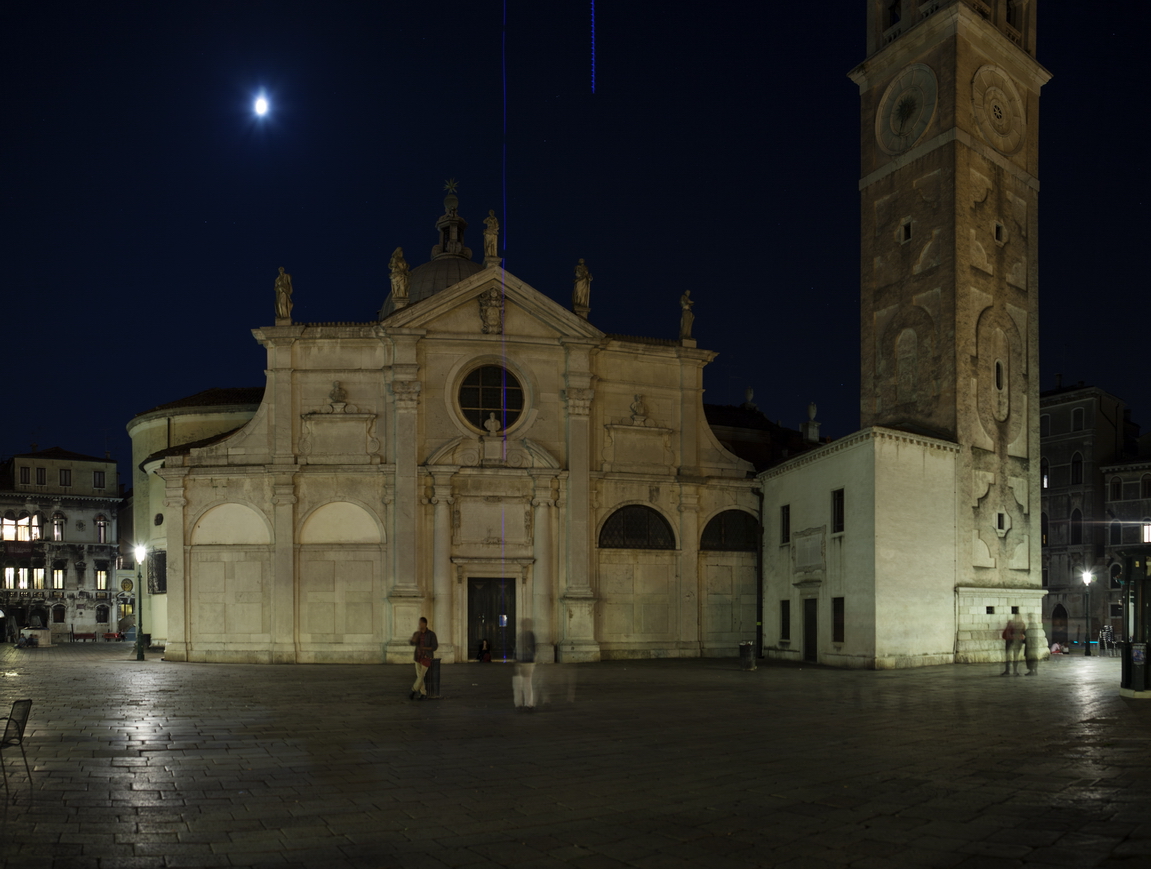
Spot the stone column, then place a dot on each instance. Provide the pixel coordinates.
(578, 614)
(692, 595)
(179, 592)
(442, 566)
(404, 590)
(544, 579)
(283, 568)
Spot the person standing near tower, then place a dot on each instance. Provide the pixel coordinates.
(426, 644)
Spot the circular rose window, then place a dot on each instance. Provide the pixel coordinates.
(491, 398)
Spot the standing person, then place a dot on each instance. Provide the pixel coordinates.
(522, 694)
(1013, 636)
(426, 644)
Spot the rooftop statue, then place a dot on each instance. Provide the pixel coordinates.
(283, 295)
(401, 275)
(581, 292)
(687, 317)
(491, 234)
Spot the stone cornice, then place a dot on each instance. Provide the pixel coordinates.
(875, 433)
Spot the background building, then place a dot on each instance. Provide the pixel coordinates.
(60, 537)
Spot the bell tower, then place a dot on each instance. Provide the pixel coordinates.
(949, 285)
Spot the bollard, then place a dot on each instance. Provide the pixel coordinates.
(747, 656)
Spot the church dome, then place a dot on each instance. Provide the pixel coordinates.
(440, 274)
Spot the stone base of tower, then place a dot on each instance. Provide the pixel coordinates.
(981, 614)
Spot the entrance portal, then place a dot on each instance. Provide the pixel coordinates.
(1059, 624)
(492, 616)
(810, 632)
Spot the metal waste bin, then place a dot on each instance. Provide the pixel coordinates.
(432, 679)
(747, 656)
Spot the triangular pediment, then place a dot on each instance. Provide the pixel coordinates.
(458, 308)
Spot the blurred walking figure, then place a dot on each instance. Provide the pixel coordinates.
(522, 693)
(1013, 636)
(1032, 648)
(426, 644)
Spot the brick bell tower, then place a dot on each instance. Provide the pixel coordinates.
(949, 192)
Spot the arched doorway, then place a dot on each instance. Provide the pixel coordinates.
(1059, 624)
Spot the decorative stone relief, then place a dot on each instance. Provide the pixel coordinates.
(980, 187)
(1017, 274)
(578, 401)
(979, 257)
(1021, 556)
(929, 256)
(928, 187)
(407, 393)
(1018, 445)
(980, 553)
(491, 311)
(980, 437)
(981, 482)
(1018, 212)
(1019, 318)
(1020, 488)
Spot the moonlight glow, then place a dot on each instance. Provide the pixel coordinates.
(261, 106)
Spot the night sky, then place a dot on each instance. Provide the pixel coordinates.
(147, 208)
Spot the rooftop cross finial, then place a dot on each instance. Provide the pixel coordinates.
(450, 185)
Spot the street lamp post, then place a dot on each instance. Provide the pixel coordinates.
(141, 552)
(1087, 577)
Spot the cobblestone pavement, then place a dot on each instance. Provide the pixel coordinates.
(655, 764)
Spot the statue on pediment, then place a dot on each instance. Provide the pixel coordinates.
(283, 295)
(401, 275)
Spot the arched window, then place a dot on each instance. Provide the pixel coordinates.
(1076, 527)
(731, 531)
(1116, 534)
(101, 615)
(1044, 425)
(101, 529)
(8, 527)
(1076, 469)
(1115, 492)
(57, 527)
(1145, 486)
(1077, 419)
(636, 527)
(1045, 472)
(1116, 575)
(1043, 528)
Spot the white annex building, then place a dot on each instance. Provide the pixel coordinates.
(478, 455)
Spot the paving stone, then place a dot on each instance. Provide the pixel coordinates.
(236, 765)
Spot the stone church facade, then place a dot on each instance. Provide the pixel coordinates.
(478, 455)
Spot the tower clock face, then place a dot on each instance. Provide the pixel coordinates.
(998, 109)
(906, 109)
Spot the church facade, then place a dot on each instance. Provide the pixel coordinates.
(478, 455)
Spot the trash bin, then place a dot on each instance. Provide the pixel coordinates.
(432, 679)
(747, 656)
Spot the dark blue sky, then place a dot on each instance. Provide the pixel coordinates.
(147, 210)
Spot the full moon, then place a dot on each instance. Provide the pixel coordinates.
(261, 106)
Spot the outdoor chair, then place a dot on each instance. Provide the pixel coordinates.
(14, 736)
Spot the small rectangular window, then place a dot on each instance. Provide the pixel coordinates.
(1116, 610)
(57, 578)
(837, 511)
(785, 523)
(101, 579)
(37, 577)
(25, 475)
(65, 476)
(837, 620)
(41, 476)
(97, 479)
(785, 620)
(991, 610)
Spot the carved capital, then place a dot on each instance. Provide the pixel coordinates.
(578, 401)
(407, 393)
(175, 502)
